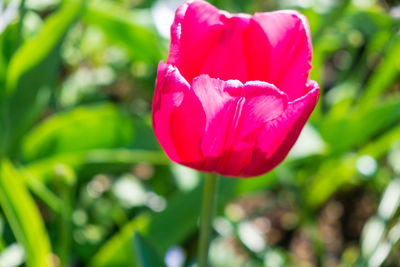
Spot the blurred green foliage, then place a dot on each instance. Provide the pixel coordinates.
(83, 181)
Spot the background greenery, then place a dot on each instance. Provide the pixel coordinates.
(83, 181)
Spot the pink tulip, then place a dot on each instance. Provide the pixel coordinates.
(234, 93)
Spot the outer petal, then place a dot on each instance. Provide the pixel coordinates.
(279, 135)
(194, 32)
(178, 117)
(258, 104)
(205, 40)
(278, 50)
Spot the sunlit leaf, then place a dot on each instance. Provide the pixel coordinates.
(24, 217)
(36, 50)
(347, 132)
(385, 75)
(140, 41)
(32, 71)
(95, 161)
(81, 129)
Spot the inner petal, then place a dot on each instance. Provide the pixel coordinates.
(226, 59)
(196, 28)
(278, 50)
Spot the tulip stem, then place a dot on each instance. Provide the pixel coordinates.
(207, 213)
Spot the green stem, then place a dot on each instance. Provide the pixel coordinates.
(207, 213)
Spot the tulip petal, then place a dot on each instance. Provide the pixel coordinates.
(234, 114)
(227, 58)
(279, 135)
(278, 50)
(194, 32)
(178, 117)
(260, 103)
(219, 107)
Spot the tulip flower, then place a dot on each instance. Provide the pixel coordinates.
(234, 93)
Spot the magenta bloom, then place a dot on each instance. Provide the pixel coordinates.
(234, 93)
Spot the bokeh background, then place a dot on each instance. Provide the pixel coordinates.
(83, 182)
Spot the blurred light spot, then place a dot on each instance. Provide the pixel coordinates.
(155, 202)
(141, 69)
(394, 159)
(41, 4)
(395, 12)
(355, 38)
(54, 259)
(342, 92)
(371, 236)
(342, 59)
(251, 236)
(32, 24)
(79, 217)
(379, 255)
(390, 200)
(174, 257)
(76, 86)
(163, 12)
(304, 3)
(309, 143)
(143, 171)
(79, 236)
(69, 51)
(324, 6)
(103, 76)
(92, 40)
(234, 212)
(7, 15)
(185, 178)
(93, 233)
(274, 259)
(129, 191)
(98, 185)
(364, 3)
(223, 226)
(12, 256)
(263, 224)
(222, 253)
(366, 165)
(116, 56)
(394, 233)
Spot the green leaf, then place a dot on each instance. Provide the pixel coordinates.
(24, 217)
(139, 41)
(385, 75)
(169, 227)
(345, 133)
(84, 128)
(117, 252)
(145, 253)
(32, 71)
(37, 49)
(95, 161)
(336, 172)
